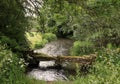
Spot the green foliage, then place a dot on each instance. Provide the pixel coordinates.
(106, 69)
(109, 56)
(41, 44)
(104, 74)
(93, 23)
(84, 18)
(13, 24)
(81, 48)
(99, 16)
(11, 67)
(49, 36)
(33, 38)
(55, 18)
(11, 43)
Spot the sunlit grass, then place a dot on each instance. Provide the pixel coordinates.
(33, 38)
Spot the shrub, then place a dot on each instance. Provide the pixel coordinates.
(108, 55)
(41, 44)
(11, 67)
(33, 38)
(10, 42)
(49, 36)
(13, 44)
(82, 47)
(103, 74)
(105, 70)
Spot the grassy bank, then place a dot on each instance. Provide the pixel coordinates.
(33, 38)
(38, 40)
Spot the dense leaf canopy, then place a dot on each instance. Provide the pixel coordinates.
(93, 20)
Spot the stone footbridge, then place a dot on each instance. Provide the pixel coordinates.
(82, 60)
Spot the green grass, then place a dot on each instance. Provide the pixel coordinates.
(33, 38)
(38, 40)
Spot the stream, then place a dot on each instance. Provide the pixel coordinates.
(47, 70)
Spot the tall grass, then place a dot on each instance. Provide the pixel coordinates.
(33, 38)
(38, 40)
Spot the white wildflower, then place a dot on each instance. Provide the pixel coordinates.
(22, 66)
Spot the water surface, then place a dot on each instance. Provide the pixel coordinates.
(60, 47)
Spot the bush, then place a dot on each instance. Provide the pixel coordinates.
(82, 47)
(103, 74)
(11, 67)
(13, 44)
(41, 44)
(49, 36)
(108, 55)
(105, 70)
(10, 42)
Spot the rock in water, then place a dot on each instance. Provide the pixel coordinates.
(45, 64)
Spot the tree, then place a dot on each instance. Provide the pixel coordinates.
(101, 24)
(56, 16)
(13, 24)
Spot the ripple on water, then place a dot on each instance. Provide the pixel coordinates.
(60, 47)
(47, 75)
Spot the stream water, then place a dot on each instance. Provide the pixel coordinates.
(46, 69)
